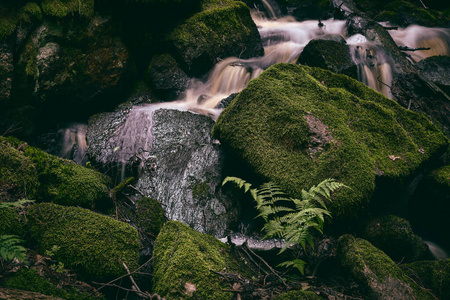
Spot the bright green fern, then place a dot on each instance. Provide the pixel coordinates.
(288, 218)
(10, 248)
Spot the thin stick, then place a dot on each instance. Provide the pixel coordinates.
(270, 268)
(132, 279)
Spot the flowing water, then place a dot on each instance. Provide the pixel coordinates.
(283, 39)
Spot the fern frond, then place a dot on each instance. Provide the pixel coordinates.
(10, 248)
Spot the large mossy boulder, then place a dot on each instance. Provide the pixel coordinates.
(297, 126)
(378, 275)
(395, 237)
(93, 245)
(221, 29)
(329, 55)
(11, 222)
(185, 261)
(435, 275)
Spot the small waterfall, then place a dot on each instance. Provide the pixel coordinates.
(437, 251)
(73, 145)
(373, 63)
(415, 36)
(272, 8)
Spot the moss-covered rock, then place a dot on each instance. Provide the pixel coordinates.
(31, 280)
(435, 275)
(78, 64)
(62, 8)
(64, 182)
(298, 295)
(297, 125)
(379, 276)
(150, 215)
(11, 222)
(18, 174)
(394, 236)
(329, 55)
(13, 14)
(183, 260)
(221, 29)
(94, 245)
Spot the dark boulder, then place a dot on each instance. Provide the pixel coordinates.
(329, 55)
(395, 237)
(436, 69)
(167, 78)
(219, 31)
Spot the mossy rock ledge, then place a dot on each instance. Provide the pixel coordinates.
(378, 275)
(434, 274)
(183, 260)
(92, 244)
(45, 177)
(297, 126)
(221, 29)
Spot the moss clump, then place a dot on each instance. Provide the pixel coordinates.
(30, 280)
(395, 237)
(184, 258)
(221, 29)
(11, 16)
(62, 8)
(67, 183)
(10, 222)
(150, 215)
(442, 176)
(297, 126)
(94, 245)
(18, 175)
(375, 271)
(434, 274)
(298, 295)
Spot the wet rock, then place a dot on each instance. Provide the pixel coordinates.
(378, 275)
(394, 236)
(219, 31)
(329, 55)
(73, 65)
(174, 160)
(311, 10)
(225, 102)
(167, 78)
(436, 69)
(266, 127)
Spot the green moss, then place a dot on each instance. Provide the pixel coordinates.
(183, 257)
(298, 295)
(375, 271)
(30, 12)
(150, 215)
(266, 125)
(434, 274)
(442, 176)
(67, 183)
(395, 237)
(30, 280)
(8, 21)
(94, 245)
(384, 16)
(11, 222)
(18, 175)
(62, 8)
(223, 28)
